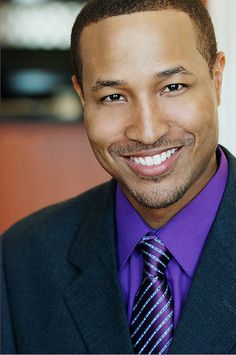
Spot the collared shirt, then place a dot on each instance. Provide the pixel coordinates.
(184, 235)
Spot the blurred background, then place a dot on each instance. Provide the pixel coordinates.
(44, 152)
(36, 66)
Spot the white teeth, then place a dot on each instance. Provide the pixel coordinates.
(142, 161)
(149, 161)
(155, 159)
(163, 156)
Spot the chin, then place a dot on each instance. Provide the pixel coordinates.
(159, 197)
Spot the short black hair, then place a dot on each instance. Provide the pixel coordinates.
(98, 10)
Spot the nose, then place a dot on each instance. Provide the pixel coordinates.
(147, 122)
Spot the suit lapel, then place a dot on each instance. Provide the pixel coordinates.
(208, 320)
(94, 299)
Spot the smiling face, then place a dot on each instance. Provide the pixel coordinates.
(150, 105)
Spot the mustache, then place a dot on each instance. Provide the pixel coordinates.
(137, 147)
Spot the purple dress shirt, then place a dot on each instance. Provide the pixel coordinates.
(184, 235)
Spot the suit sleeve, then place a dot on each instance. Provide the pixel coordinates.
(7, 338)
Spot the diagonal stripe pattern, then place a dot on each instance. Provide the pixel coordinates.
(152, 324)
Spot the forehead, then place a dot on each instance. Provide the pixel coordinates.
(123, 40)
(164, 23)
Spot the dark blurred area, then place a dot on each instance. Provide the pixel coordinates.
(36, 65)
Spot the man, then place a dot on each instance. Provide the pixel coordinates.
(146, 262)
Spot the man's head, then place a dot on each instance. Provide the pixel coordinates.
(97, 10)
(150, 100)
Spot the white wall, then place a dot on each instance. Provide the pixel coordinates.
(223, 13)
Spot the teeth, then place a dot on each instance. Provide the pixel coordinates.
(163, 156)
(155, 159)
(149, 161)
(168, 153)
(142, 161)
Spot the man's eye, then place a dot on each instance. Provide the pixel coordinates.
(173, 88)
(113, 97)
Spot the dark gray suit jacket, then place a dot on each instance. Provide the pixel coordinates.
(61, 292)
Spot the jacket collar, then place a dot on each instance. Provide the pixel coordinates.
(95, 299)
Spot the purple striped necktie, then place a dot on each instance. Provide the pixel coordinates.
(152, 323)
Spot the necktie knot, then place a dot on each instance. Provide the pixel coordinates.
(155, 255)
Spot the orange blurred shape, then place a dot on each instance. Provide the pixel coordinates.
(42, 164)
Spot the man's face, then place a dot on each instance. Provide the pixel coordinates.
(150, 105)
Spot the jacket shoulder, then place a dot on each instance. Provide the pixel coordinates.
(52, 222)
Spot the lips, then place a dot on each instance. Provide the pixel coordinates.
(153, 165)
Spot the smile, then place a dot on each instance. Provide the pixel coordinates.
(155, 159)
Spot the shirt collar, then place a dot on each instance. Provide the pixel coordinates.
(130, 228)
(185, 234)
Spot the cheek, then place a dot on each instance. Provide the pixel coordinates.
(196, 116)
(205, 121)
(183, 115)
(104, 125)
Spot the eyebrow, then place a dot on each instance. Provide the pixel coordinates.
(100, 84)
(172, 71)
(108, 83)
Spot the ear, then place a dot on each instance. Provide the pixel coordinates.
(218, 70)
(78, 89)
